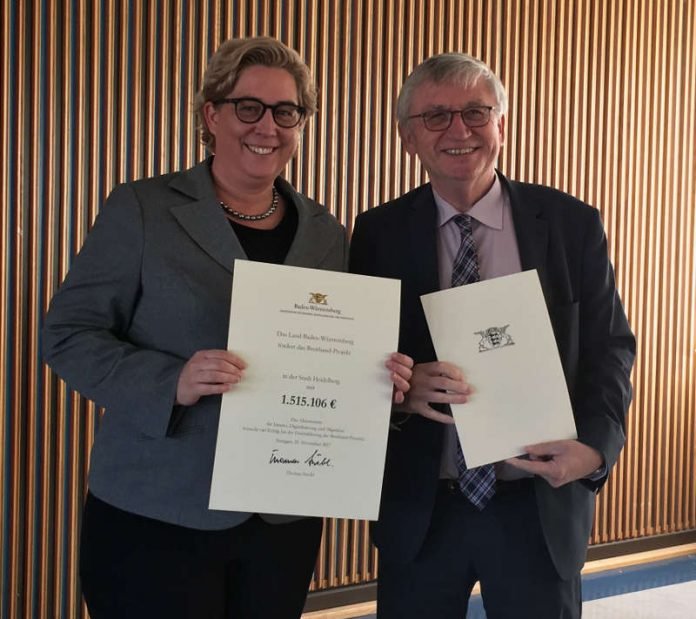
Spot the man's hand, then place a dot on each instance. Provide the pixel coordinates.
(400, 366)
(436, 382)
(208, 372)
(559, 462)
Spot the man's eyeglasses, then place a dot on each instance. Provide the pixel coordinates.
(439, 120)
(249, 110)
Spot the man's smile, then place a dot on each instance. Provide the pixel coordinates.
(459, 151)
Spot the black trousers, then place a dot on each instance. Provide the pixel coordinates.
(502, 547)
(137, 567)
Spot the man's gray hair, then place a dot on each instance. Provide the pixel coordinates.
(452, 68)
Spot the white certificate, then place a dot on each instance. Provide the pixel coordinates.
(498, 331)
(305, 432)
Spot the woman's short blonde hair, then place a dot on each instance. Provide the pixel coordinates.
(229, 61)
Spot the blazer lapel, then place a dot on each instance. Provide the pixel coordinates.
(422, 232)
(314, 239)
(531, 231)
(206, 224)
(202, 217)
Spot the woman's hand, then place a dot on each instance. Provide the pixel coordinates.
(400, 367)
(437, 382)
(208, 372)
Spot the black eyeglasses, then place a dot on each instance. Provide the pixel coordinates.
(439, 120)
(249, 110)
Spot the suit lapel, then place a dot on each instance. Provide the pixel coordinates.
(205, 223)
(202, 217)
(422, 234)
(314, 239)
(531, 232)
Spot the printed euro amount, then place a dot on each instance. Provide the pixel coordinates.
(307, 401)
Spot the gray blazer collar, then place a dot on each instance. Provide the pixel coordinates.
(205, 223)
(202, 217)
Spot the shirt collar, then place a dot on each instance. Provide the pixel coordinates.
(488, 210)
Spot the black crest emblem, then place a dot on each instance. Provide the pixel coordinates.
(494, 338)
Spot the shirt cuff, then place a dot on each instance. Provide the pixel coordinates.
(597, 474)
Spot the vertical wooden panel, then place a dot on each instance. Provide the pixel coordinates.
(95, 92)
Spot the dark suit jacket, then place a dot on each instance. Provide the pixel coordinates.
(564, 240)
(150, 287)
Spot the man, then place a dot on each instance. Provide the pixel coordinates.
(520, 527)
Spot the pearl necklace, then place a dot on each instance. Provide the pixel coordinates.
(245, 217)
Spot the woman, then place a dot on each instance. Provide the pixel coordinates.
(140, 326)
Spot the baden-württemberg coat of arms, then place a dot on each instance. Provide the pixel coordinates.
(318, 298)
(493, 338)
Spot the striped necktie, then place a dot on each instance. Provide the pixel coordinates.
(477, 484)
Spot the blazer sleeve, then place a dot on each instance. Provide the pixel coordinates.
(606, 353)
(84, 338)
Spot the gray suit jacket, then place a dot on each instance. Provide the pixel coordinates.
(150, 287)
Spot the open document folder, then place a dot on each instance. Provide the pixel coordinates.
(498, 331)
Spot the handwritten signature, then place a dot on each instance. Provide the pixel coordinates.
(316, 458)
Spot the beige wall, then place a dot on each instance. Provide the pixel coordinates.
(603, 105)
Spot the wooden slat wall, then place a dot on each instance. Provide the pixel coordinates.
(94, 92)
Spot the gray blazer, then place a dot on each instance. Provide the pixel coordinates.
(150, 287)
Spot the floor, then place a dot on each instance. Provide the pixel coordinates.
(660, 590)
(663, 589)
